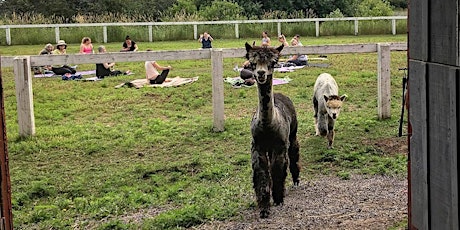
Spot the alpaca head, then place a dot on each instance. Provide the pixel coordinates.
(262, 61)
(333, 105)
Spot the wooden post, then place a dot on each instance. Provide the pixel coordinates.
(393, 26)
(56, 31)
(317, 28)
(23, 79)
(279, 28)
(356, 27)
(217, 65)
(237, 31)
(383, 81)
(104, 33)
(150, 34)
(195, 32)
(8, 36)
(6, 217)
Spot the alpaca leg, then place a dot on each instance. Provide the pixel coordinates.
(315, 107)
(330, 138)
(294, 166)
(322, 124)
(261, 182)
(317, 133)
(279, 174)
(330, 133)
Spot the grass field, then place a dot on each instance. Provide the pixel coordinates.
(102, 155)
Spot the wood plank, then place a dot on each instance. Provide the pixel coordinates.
(218, 89)
(418, 152)
(6, 61)
(418, 30)
(383, 81)
(442, 145)
(24, 96)
(444, 32)
(204, 22)
(40, 60)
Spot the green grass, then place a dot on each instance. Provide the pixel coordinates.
(100, 155)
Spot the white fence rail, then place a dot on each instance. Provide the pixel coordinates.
(150, 25)
(23, 75)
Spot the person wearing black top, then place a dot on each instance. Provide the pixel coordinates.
(205, 40)
(129, 45)
(105, 69)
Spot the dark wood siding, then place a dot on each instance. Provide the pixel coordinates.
(418, 146)
(434, 106)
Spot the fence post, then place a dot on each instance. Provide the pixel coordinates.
(279, 28)
(195, 31)
(23, 79)
(383, 81)
(393, 26)
(356, 27)
(237, 31)
(317, 28)
(217, 65)
(150, 34)
(56, 31)
(104, 33)
(8, 35)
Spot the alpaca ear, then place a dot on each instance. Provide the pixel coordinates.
(326, 98)
(342, 98)
(280, 47)
(248, 47)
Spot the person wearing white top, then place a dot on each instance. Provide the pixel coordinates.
(152, 74)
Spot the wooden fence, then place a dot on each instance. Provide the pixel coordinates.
(23, 75)
(150, 25)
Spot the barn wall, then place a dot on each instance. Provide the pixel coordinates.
(434, 106)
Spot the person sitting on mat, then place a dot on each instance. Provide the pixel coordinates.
(62, 70)
(152, 74)
(106, 69)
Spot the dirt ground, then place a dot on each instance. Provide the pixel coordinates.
(328, 202)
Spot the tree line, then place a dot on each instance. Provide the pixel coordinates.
(174, 10)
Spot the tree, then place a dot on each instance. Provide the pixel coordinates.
(322, 8)
(183, 6)
(373, 8)
(221, 10)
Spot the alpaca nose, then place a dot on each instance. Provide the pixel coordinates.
(334, 116)
(261, 72)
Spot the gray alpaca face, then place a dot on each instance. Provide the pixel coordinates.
(262, 60)
(333, 105)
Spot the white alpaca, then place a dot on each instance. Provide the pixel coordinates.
(327, 105)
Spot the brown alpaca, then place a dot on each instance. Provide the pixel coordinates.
(274, 132)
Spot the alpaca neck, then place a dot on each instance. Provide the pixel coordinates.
(266, 101)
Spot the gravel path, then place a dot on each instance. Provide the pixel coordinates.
(362, 202)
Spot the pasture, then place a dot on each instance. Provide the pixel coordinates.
(102, 156)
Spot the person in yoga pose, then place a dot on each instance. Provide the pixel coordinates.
(152, 74)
